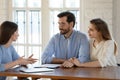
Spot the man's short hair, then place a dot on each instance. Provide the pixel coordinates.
(70, 16)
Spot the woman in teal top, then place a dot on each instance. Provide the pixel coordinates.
(8, 56)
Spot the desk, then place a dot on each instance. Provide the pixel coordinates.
(109, 73)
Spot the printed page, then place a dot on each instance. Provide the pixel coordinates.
(50, 66)
(35, 70)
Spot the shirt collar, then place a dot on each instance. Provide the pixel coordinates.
(71, 36)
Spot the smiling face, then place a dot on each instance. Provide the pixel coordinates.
(93, 33)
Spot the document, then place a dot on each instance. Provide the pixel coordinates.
(50, 66)
(35, 70)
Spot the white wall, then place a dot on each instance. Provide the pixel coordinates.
(3, 10)
(96, 9)
(116, 24)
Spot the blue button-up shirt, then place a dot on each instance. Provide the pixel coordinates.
(77, 45)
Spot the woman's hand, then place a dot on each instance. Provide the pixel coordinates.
(75, 61)
(33, 60)
(24, 61)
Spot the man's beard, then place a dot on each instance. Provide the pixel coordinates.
(64, 31)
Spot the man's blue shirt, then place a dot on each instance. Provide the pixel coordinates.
(77, 45)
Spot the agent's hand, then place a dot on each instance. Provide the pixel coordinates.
(24, 61)
(32, 60)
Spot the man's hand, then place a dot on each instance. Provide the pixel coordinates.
(67, 64)
(75, 61)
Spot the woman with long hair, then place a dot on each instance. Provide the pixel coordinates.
(8, 56)
(103, 49)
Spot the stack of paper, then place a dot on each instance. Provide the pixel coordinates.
(35, 70)
(50, 66)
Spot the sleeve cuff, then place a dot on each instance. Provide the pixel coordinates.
(49, 60)
(2, 67)
(83, 59)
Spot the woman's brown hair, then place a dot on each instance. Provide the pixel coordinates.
(7, 29)
(101, 26)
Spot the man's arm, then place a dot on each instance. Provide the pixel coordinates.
(58, 61)
(48, 52)
(84, 51)
(48, 55)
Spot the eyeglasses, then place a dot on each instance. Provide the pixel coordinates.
(61, 24)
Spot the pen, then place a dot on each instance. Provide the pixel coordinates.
(47, 67)
(39, 66)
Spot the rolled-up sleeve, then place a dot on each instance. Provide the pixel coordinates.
(84, 51)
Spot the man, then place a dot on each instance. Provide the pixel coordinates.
(67, 44)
